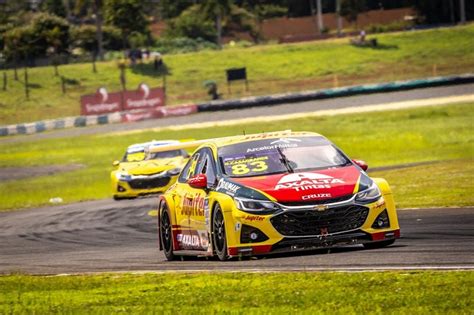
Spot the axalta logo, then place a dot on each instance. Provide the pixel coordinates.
(306, 181)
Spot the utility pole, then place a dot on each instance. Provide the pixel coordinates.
(98, 24)
(339, 17)
(320, 16)
(313, 10)
(462, 12)
(451, 11)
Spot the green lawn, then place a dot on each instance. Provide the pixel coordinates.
(271, 69)
(447, 183)
(442, 133)
(241, 293)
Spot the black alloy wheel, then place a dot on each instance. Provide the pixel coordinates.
(166, 235)
(218, 234)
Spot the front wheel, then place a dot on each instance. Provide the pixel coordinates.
(378, 244)
(219, 234)
(166, 235)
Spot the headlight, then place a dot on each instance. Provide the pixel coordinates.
(369, 195)
(123, 176)
(255, 206)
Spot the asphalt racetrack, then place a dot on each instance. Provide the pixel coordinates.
(106, 235)
(109, 235)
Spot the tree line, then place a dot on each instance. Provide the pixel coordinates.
(39, 28)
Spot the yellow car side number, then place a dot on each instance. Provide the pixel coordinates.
(244, 168)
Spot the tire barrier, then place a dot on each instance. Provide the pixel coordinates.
(335, 92)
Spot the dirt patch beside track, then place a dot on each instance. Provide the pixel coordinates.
(12, 173)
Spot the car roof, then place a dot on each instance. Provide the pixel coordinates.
(138, 147)
(220, 142)
(224, 141)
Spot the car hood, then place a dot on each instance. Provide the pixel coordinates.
(149, 167)
(306, 186)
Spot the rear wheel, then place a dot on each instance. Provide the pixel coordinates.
(219, 234)
(166, 235)
(378, 244)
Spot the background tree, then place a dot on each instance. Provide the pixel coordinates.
(51, 32)
(268, 11)
(18, 45)
(9, 9)
(443, 11)
(55, 7)
(84, 37)
(173, 8)
(82, 8)
(350, 9)
(43, 32)
(190, 23)
(217, 9)
(127, 15)
(240, 20)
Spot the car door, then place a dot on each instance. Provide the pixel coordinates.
(193, 206)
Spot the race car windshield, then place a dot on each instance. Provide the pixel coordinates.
(273, 156)
(166, 154)
(134, 156)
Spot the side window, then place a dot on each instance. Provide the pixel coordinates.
(200, 163)
(211, 171)
(190, 168)
(207, 166)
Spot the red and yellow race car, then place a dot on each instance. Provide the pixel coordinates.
(273, 192)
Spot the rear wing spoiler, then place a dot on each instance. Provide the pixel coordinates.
(182, 145)
(186, 145)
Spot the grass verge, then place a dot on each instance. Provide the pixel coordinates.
(268, 293)
(442, 133)
(446, 183)
(271, 69)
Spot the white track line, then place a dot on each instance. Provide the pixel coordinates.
(278, 270)
(329, 112)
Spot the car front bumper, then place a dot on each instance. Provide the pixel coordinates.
(343, 224)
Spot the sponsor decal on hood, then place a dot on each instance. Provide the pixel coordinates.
(306, 186)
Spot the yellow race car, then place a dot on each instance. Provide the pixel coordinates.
(273, 192)
(141, 172)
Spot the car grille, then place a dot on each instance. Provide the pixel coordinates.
(148, 183)
(313, 222)
(319, 202)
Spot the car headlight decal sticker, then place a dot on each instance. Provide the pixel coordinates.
(255, 206)
(369, 195)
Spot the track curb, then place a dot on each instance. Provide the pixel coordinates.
(268, 100)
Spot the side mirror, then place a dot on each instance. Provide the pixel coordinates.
(115, 163)
(361, 164)
(198, 181)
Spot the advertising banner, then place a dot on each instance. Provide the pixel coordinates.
(102, 102)
(144, 97)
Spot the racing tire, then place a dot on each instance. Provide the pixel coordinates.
(378, 244)
(219, 239)
(166, 235)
